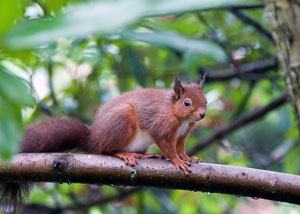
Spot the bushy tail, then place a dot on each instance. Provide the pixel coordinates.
(51, 135)
(55, 135)
(12, 195)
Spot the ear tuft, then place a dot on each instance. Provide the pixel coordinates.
(178, 89)
(202, 83)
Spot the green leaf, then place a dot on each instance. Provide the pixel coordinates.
(51, 5)
(10, 126)
(101, 17)
(291, 163)
(15, 89)
(178, 42)
(9, 11)
(165, 7)
(14, 93)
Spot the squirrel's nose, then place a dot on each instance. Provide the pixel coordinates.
(202, 115)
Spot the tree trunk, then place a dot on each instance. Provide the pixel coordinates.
(284, 16)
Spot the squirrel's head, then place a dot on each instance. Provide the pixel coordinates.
(189, 102)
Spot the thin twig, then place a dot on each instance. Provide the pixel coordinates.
(244, 101)
(40, 208)
(50, 73)
(251, 21)
(223, 7)
(241, 71)
(117, 197)
(226, 45)
(248, 6)
(46, 110)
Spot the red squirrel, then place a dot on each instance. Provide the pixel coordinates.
(127, 125)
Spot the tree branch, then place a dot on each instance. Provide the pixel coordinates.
(241, 106)
(81, 206)
(251, 21)
(101, 201)
(223, 7)
(39, 208)
(100, 169)
(248, 6)
(50, 73)
(241, 71)
(242, 121)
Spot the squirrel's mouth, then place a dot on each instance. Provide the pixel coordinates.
(198, 119)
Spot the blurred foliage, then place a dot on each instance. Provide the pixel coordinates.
(61, 57)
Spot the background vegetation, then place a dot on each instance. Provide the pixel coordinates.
(66, 58)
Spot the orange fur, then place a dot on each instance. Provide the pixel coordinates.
(129, 122)
(180, 145)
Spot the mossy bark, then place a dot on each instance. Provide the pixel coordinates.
(284, 16)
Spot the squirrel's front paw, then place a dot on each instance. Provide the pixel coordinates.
(181, 165)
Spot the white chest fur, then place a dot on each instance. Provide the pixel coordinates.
(143, 141)
(183, 128)
(140, 143)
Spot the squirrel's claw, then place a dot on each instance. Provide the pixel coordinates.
(187, 162)
(128, 158)
(181, 165)
(197, 160)
(191, 159)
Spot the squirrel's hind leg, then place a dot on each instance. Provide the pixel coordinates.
(113, 131)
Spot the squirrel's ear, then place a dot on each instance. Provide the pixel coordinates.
(202, 83)
(178, 89)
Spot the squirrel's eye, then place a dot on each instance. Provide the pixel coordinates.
(187, 103)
